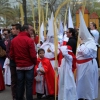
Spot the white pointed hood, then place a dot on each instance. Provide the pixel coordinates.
(84, 34)
(48, 24)
(65, 28)
(70, 21)
(61, 28)
(60, 33)
(50, 35)
(52, 16)
(42, 33)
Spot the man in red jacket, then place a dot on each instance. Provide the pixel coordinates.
(23, 52)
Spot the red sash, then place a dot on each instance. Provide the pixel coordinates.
(51, 59)
(84, 60)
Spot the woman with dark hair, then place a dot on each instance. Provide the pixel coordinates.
(71, 34)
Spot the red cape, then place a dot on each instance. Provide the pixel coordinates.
(2, 85)
(49, 75)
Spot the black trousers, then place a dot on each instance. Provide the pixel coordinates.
(13, 80)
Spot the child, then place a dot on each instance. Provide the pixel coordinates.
(44, 76)
(7, 74)
(67, 87)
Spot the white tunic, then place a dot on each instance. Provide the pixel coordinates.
(67, 86)
(95, 33)
(41, 83)
(7, 74)
(87, 74)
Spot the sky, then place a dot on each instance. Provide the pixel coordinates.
(13, 2)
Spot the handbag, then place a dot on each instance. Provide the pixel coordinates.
(2, 52)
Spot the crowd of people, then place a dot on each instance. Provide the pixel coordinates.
(29, 67)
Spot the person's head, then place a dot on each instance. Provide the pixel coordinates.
(16, 28)
(6, 33)
(71, 33)
(41, 53)
(27, 28)
(93, 26)
(33, 34)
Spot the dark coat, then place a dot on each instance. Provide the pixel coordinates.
(73, 43)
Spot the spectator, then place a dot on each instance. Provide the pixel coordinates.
(94, 32)
(23, 53)
(16, 28)
(7, 73)
(6, 33)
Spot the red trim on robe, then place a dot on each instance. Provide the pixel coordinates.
(84, 60)
(59, 57)
(64, 43)
(74, 58)
(74, 61)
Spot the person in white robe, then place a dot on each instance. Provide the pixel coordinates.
(87, 69)
(49, 48)
(67, 86)
(7, 73)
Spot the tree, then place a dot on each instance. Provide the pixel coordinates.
(6, 12)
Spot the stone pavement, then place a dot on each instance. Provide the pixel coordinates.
(6, 94)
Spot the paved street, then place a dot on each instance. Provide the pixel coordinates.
(6, 94)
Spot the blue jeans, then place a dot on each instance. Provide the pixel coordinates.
(24, 77)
